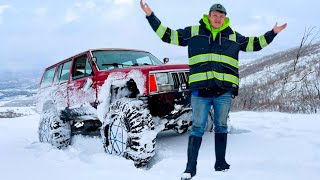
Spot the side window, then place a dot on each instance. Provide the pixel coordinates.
(81, 67)
(63, 72)
(48, 77)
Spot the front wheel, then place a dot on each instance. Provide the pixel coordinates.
(129, 131)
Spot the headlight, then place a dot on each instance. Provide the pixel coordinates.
(161, 82)
(163, 79)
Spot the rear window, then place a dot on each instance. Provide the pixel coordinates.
(48, 77)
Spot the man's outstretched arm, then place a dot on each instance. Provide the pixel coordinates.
(277, 29)
(145, 8)
(250, 44)
(176, 37)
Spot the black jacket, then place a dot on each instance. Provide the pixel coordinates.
(213, 53)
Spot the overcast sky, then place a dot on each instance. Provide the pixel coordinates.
(37, 33)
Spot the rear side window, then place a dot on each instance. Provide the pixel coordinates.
(63, 72)
(48, 77)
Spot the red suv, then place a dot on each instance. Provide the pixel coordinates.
(126, 96)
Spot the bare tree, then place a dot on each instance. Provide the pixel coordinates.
(293, 88)
(305, 43)
(307, 40)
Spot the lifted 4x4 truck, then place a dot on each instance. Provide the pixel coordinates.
(126, 96)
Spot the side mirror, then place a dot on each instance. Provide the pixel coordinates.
(165, 60)
(94, 59)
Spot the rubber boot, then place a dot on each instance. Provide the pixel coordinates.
(220, 151)
(193, 151)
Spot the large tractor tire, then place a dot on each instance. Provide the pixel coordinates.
(129, 131)
(53, 130)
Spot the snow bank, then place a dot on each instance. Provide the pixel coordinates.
(261, 146)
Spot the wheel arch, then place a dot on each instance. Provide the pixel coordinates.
(124, 88)
(49, 104)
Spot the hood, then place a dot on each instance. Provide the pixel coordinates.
(148, 68)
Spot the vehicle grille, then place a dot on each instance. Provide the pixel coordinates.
(180, 80)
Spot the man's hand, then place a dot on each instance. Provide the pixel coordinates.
(145, 8)
(277, 29)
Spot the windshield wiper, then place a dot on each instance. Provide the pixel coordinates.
(137, 64)
(116, 64)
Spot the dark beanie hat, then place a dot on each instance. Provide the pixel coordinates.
(218, 7)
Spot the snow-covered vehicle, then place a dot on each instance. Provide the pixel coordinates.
(126, 96)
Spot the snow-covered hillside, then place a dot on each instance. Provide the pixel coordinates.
(287, 81)
(261, 146)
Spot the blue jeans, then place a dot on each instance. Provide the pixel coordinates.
(200, 111)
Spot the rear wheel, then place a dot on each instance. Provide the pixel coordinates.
(129, 131)
(185, 121)
(210, 125)
(53, 130)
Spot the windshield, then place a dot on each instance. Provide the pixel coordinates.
(121, 58)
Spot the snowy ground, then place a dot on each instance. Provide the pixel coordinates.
(264, 146)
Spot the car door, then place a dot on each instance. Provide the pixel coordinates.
(80, 88)
(61, 84)
(46, 86)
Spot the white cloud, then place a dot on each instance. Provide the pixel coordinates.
(3, 8)
(119, 10)
(115, 14)
(71, 16)
(79, 9)
(41, 12)
(258, 25)
(119, 2)
(251, 29)
(110, 10)
(256, 17)
(122, 2)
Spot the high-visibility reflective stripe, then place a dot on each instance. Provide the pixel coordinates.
(250, 44)
(211, 75)
(233, 37)
(213, 57)
(161, 31)
(194, 30)
(174, 38)
(263, 41)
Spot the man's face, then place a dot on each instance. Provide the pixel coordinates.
(216, 19)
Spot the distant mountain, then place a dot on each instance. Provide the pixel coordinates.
(287, 81)
(18, 88)
(19, 80)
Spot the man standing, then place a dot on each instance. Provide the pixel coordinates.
(213, 50)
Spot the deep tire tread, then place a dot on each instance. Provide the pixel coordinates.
(137, 121)
(53, 130)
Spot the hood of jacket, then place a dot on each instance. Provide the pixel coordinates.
(205, 20)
